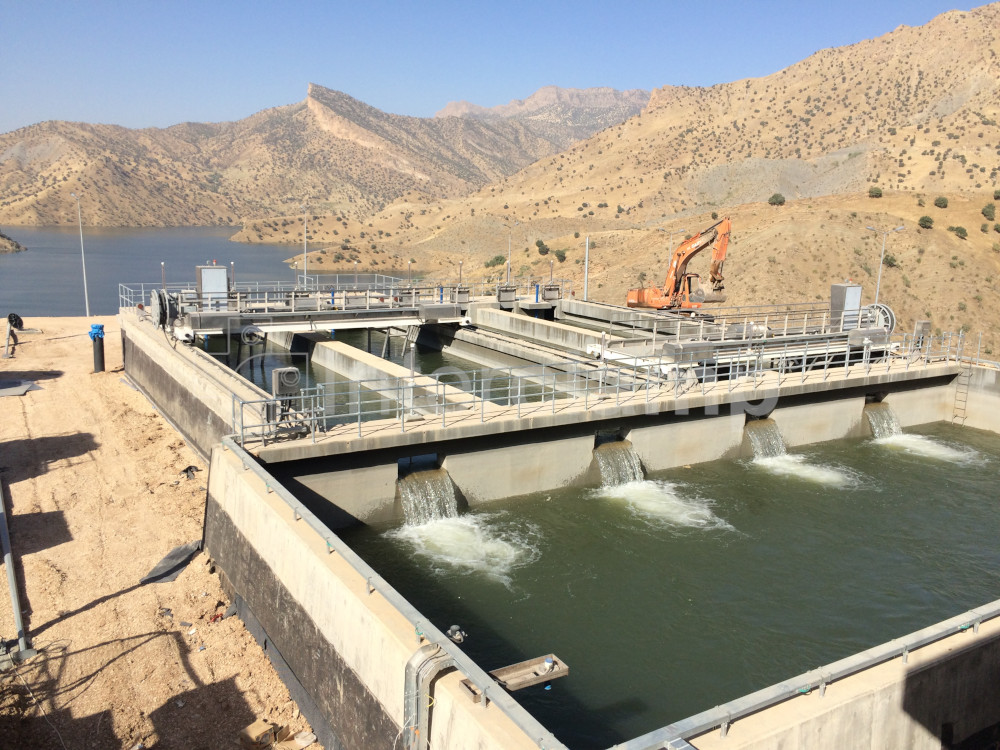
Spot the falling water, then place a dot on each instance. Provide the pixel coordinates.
(765, 439)
(619, 464)
(888, 433)
(427, 496)
(769, 454)
(882, 420)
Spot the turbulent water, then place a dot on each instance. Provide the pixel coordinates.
(491, 545)
(619, 464)
(663, 503)
(888, 434)
(734, 576)
(770, 455)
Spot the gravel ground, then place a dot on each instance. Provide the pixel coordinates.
(96, 496)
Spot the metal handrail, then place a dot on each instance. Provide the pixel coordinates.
(244, 293)
(455, 396)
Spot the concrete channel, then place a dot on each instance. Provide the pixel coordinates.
(362, 661)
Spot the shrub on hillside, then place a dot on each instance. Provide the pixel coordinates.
(961, 232)
(996, 195)
(941, 202)
(925, 222)
(776, 200)
(874, 192)
(990, 211)
(496, 260)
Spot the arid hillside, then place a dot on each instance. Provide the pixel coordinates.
(331, 152)
(911, 116)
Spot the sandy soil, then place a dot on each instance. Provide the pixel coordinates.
(97, 498)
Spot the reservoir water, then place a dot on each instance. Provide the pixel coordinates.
(670, 595)
(47, 279)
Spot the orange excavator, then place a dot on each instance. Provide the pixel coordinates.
(683, 289)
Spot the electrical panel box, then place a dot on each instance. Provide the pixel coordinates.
(285, 382)
(845, 300)
(212, 285)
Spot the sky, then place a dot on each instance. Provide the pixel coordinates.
(143, 63)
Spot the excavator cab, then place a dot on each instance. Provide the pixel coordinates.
(692, 291)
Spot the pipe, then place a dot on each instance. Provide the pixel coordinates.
(8, 563)
(427, 663)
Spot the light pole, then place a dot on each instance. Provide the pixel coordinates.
(460, 272)
(409, 279)
(305, 252)
(885, 234)
(83, 258)
(510, 231)
(355, 274)
(670, 241)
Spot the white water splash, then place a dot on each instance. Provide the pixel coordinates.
(662, 503)
(921, 445)
(795, 465)
(472, 543)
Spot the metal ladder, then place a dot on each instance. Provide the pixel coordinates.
(962, 393)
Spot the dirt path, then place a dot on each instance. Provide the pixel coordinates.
(97, 498)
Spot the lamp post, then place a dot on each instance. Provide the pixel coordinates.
(886, 233)
(409, 279)
(670, 241)
(305, 253)
(355, 274)
(510, 231)
(460, 272)
(83, 258)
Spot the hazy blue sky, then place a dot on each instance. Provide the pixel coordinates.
(144, 63)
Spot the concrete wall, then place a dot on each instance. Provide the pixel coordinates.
(818, 422)
(347, 648)
(892, 706)
(686, 442)
(982, 410)
(188, 386)
(559, 335)
(385, 377)
(365, 494)
(508, 471)
(923, 406)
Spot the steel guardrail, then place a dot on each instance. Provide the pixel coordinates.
(618, 379)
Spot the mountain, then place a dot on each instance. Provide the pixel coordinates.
(330, 151)
(911, 116)
(562, 116)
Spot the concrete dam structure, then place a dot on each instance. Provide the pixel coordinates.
(556, 394)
